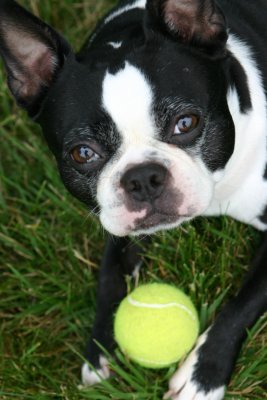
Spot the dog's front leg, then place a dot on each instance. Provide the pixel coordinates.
(208, 369)
(121, 258)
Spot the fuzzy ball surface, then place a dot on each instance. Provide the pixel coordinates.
(156, 325)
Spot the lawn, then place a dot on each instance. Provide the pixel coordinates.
(50, 250)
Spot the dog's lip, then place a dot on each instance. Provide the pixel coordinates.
(157, 218)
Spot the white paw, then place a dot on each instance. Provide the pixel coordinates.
(90, 377)
(183, 387)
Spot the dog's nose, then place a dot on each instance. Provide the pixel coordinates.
(144, 182)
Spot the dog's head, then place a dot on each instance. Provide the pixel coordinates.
(138, 122)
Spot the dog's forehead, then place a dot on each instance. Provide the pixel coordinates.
(127, 96)
(140, 92)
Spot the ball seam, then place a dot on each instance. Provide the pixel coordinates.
(137, 303)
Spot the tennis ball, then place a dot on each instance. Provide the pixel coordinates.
(156, 325)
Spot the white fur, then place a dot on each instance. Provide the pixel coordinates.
(128, 98)
(136, 271)
(136, 4)
(182, 385)
(115, 45)
(90, 377)
(241, 192)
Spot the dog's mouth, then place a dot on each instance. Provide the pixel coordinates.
(157, 220)
(149, 219)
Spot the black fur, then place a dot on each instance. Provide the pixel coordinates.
(185, 59)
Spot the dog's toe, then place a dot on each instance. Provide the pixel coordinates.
(91, 377)
(183, 384)
(190, 393)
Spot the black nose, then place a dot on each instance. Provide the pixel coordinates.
(144, 182)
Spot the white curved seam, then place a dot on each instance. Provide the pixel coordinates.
(160, 306)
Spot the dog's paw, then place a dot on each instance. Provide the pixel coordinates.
(90, 377)
(183, 385)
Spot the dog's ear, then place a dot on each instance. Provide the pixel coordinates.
(33, 53)
(197, 22)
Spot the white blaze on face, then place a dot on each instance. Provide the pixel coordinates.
(128, 99)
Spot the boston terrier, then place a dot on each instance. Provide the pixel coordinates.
(160, 118)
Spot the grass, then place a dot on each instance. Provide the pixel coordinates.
(50, 250)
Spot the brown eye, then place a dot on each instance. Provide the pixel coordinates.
(83, 154)
(185, 124)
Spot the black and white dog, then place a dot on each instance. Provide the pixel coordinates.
(160, 118)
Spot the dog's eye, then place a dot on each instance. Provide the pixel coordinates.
(83, 154)
(185, 124)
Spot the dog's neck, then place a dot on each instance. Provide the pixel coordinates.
(234, 194)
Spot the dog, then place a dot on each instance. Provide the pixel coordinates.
(160, 118)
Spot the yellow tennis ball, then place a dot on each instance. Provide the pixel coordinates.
(156, 325)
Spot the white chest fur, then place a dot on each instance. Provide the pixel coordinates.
(241, 190)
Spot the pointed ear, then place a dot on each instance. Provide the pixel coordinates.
(33, 53)
(198, 22)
